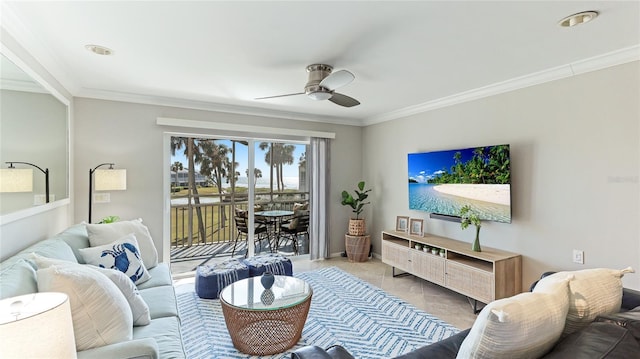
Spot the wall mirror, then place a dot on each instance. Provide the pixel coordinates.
(34, 128)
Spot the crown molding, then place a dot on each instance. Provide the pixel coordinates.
(210, 106)
(599, 62)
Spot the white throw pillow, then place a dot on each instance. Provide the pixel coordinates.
(592, 292)
(101, 234)
(122, 255)
(139, 308)
(526, 325)
(100, 313)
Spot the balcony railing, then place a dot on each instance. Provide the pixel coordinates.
(216, 213)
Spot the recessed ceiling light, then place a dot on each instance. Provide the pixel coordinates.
(100, 50)
(579, 18)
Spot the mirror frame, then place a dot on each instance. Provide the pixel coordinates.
(31, 211)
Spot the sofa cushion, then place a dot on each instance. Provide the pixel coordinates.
(101, 234)
(629, 320)
(75, 237)
(17, 278)
(100, 313)
(597, 340)
(139, 309)
(162, 301)
(122, 255)
(526, 325)
(51, 248)
(592, 292)
(166, 332)
(160, 276)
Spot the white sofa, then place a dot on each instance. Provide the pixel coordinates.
(159, 339)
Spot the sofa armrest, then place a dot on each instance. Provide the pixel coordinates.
(144, 348)
(630, 298)
(447, 348)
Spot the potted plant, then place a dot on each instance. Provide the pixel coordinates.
(470, 217)
(356, 225)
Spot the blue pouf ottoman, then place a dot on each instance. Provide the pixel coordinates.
(272, 262)
(211, 279)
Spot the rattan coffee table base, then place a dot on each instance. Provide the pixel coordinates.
(265, 332)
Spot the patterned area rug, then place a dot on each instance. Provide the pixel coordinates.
(344, 310)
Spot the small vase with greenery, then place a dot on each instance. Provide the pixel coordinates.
(357, 204)
(109, 219)
(470, 217)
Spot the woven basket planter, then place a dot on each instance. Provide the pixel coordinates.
(356, 227)
(357, 247)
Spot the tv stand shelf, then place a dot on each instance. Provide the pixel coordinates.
(484, 276)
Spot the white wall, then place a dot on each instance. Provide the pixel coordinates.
(127, 134)
(575, 165)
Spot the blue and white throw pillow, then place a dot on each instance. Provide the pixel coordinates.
(122, 255)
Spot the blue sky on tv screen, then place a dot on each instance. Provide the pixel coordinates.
(423, 166)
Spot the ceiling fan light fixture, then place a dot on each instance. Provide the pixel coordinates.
(579, 18)
(319, 96)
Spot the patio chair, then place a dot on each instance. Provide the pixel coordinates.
(299, 225)
(259, 231)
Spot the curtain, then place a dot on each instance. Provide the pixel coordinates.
(319, 197)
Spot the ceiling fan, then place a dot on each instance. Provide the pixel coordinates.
(322, 85)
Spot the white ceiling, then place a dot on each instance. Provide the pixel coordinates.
(407, 56)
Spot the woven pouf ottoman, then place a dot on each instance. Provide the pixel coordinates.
(211, 279)
(272, 262)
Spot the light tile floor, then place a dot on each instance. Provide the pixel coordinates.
(443, 303)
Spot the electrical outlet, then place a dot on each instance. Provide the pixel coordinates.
(101, 197)
(578, 256)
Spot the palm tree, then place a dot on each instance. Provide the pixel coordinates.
(277, 156)
(257, 173)
(175, 167)
(192, 152)
(215, 162)
(217, 166)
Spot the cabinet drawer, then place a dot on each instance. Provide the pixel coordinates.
(473, 282)
(396, 255)
(427, 266)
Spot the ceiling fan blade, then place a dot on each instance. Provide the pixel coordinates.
(343, 100)
(337, 79)
(291, 94)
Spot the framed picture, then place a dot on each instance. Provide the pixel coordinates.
(416, 227)
(402, 223)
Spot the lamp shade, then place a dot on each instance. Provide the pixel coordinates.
(37, 325)
(16, 180)
(110, 180)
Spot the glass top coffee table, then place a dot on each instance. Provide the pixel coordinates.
(266, 321)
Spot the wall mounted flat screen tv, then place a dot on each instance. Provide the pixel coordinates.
(442, 182)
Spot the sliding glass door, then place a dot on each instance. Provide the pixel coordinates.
(211, 197)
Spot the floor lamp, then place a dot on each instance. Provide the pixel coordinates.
(21, 180)
(106, 180)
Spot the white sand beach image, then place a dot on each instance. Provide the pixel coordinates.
(493, 193)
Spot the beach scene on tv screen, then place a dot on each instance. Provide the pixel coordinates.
(443, 182)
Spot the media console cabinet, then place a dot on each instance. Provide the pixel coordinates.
(483, 276)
